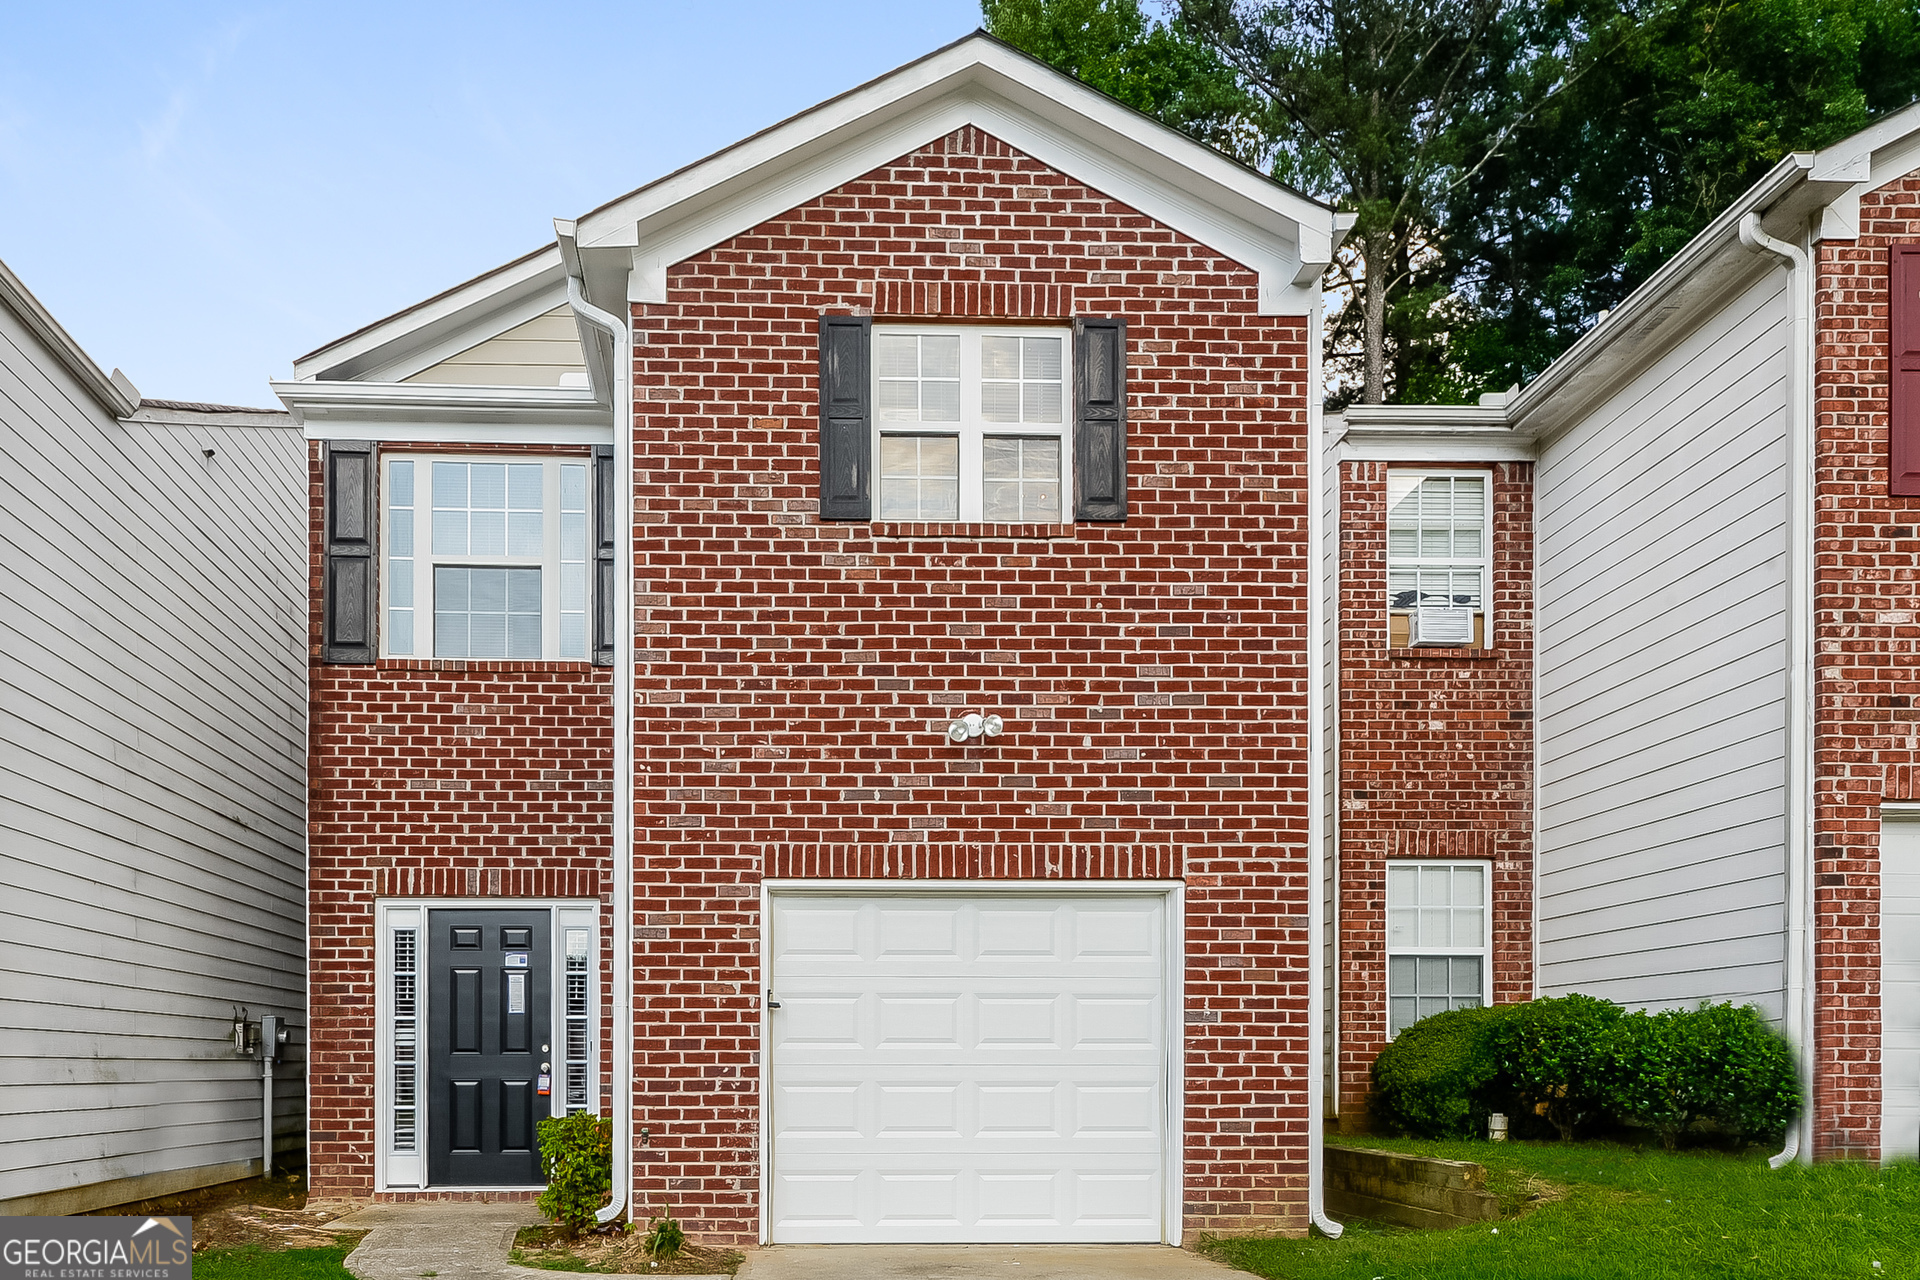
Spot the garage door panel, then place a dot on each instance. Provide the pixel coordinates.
(1900, 990)
(983, 1070)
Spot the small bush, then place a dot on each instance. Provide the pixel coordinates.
(1435, 1078)
(576, 1158)
(1557, 1056)
(1653, 1079)
(1742, 1073)
(664, 1237)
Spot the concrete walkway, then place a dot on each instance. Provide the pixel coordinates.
(450, 1240)
(978, 1262)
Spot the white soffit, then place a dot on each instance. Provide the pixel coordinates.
(1284, 236)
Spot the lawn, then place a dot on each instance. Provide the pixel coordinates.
(1626, 1212)
(251, 1262)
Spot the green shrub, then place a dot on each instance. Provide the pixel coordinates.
(664, 1237)
(1718, 1063)
(1652, 1082)
(576, 1158)
(1434, 1079)
(1557, 1056)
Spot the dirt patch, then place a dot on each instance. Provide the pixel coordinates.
(612, 1250)
(270, 1213)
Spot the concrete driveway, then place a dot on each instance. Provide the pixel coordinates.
(972, 1261)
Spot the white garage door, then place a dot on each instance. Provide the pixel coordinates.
(967, 1069)
(1900, 990)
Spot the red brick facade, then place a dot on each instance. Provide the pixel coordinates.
(432, 779)
(793, 676)
(1865, 640)
(1436, 758)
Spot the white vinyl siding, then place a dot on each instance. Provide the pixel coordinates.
(1660, 597)
(153, 665)
(542, 352)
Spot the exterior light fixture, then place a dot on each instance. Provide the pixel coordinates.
(974, 725)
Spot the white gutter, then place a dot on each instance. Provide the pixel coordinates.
(1316, 797)
(622, 397)
(1798, 1013)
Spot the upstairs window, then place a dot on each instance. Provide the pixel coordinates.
(1439, 538)
(971, 425)
(484, 558)
(1436, 939)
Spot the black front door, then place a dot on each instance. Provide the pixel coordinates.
(488, 1046)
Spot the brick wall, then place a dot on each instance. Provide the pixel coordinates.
(1865, 640)
(793, 674)
(1436, 758)
(433, 779)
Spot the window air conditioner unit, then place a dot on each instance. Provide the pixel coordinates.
(1429, 628)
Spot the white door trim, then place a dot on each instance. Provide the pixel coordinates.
(1173, 1063)
(1905, 815)
(385, 911)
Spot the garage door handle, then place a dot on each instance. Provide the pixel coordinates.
(771, 1002)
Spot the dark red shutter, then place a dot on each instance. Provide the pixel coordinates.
(1903, 367)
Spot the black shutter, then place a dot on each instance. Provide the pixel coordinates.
(348, 489)
(846, 463)
(1099, 419)
(604, 525)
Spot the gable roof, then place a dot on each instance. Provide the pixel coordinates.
(1287, 237)
(626, 245)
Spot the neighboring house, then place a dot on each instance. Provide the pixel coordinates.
(656, 567)
(1725, 583)
(152, 777)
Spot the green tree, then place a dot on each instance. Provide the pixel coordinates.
(1153, 66)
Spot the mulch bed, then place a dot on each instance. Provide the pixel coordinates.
(612, 1250)
(270, 1213)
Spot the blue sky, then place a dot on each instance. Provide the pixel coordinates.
(200, 193)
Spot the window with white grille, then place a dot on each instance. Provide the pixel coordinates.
(484, 558)
(406, 1040)
(576, 1010)
(1437, 927)
(1439, 549)
(971, 424)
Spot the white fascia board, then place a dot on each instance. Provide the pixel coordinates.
(1653, 316)
(1282, 235)
(420, 411)
(113, 392)
(1430, 433)
(445, 323)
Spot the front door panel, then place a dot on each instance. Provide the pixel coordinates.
(488, 1046)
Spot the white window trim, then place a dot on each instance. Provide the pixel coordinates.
(407, 1171)
(972, 429)
(1389, 951)
(424, 561)
(1485, 561)
(1173, 1061)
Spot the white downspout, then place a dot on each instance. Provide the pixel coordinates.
(1316, 791)
(1799, 1010)
(622, 336)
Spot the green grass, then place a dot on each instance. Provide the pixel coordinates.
(250, 1262)
(1628, 1214)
